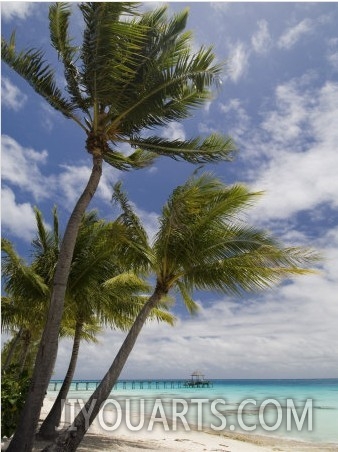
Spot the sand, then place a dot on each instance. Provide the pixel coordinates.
(97, 439)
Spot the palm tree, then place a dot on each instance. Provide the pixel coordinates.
(91, 301)
(133, 73)
(28, 288)
(23, 309)
(21, 348)
(200, 244)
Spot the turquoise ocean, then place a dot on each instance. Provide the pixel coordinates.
(299, 409)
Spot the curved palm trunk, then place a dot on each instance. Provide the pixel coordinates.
(46, 356)
(49, 425)
(69, 440)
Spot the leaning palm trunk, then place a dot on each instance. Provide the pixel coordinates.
(52, 421)
(69, 440)
(46, 356)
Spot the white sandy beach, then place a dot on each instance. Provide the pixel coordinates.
(122, 439)
(98, 440)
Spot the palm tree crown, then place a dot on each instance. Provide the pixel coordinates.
(203, 243)
(133, 72)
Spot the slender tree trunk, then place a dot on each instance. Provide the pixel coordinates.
(24, 436)
(25, 350)
(69, 440)
(50, 424)
(11, 350)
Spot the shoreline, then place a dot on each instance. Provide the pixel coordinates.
(189, 442)
(98, 440)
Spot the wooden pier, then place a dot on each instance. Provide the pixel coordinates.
(87, 385)
(91, 385)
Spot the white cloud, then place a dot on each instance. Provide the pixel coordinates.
(333, 60)
(152, 169)
(20, 10)
(220, 7)
(238, 61)
(11, 96)
(285, 123)
(16, 218)
(290, 37)
(72, 181)
(280, 335)
(48, 116)
(261, 41)
(174, 131)
(235, 114)
(109, 177)
(21, 167)
(298, 140)
(332, 53)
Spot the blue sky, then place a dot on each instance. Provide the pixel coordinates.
(279, 101)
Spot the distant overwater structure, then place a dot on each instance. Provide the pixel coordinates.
(197, 380)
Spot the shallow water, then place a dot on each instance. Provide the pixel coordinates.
(305, 410)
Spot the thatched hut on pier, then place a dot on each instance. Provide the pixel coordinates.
(197, 381)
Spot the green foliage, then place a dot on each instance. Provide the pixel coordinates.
(102, 288)
(204, 243)
(14, 387)
(132, 72)
(20, 349)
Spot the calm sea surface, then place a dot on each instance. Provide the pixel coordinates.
(295, 409)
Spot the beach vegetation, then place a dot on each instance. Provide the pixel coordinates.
(133, 73)
(23, 309)
(14, 386)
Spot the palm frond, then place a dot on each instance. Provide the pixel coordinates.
(164, 85)
(42, 240)
(162, 316)
(253, 271)
(125, 284)
(137, 160)
(210, 149)
(94, 255)
(164, 41)
(203, 243)
(136, 245)
(109, 45)
(89, 329)
(169, 77)
(20, 279)
(58, 26)
(121, 302)
(36, 71)
(45, 247)
(189, 303)
(59, 14)
(128, 216)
